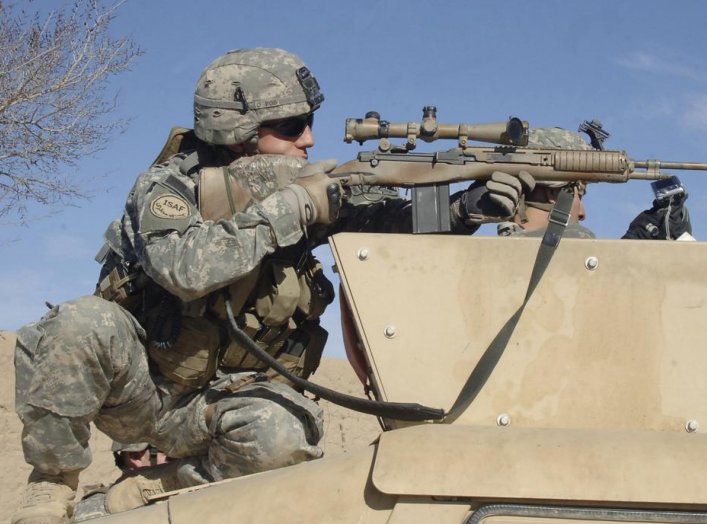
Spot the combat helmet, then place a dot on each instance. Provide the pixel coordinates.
(555, 138)
(552, 138)
(240, 90)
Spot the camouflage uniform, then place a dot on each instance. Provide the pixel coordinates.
(86, 361)
(150, 359)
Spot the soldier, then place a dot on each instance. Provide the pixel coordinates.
(529, 216)
(228, 214)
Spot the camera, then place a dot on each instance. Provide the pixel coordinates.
(667, 188)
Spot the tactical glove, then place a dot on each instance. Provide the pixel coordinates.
(497, 199)
(314, 195)
(666, 220)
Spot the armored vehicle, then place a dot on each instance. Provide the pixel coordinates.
(571, 394)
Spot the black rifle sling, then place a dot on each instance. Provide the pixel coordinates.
(558, 221)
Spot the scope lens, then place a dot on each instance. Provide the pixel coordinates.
(514, 130)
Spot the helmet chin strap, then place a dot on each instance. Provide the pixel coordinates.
(545, 206)
(250, 147)
(247, 148)
(523, 205)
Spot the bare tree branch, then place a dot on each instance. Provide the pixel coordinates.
(55, 70)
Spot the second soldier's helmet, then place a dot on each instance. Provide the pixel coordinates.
(555, 138)
(240, 90)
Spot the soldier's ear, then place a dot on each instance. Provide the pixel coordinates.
(550, 194)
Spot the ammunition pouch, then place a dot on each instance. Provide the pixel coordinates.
(282, 295)
(298, 348)
(305, 348)
(188, 350)
(278, 294)
(316, 291)
(192, 358)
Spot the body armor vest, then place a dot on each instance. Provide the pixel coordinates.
(277, 304)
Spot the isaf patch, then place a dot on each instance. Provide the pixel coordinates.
(170, 207)
(166, 209)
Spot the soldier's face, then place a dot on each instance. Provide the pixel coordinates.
(577, 212)
(272, 143)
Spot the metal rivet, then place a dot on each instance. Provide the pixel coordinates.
(362, 254)
(591, 263)
(374, 162)
(503, 420)
(692, 425)
(389, 331)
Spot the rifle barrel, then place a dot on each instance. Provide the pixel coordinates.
(691, 166)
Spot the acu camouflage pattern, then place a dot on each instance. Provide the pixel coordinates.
(555, 138)
(268, 83)
(85, 362)
(262, 175)
(188, 256)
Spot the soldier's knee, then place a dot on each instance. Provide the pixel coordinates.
(90, 314)
(89, 343)
(258, 434)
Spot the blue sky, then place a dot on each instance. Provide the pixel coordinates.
(638, 66)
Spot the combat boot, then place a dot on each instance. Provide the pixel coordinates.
(140, 486)
(48, 499)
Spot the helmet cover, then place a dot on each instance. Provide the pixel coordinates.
(240, 90)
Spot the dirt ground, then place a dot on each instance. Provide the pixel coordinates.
(344, 429)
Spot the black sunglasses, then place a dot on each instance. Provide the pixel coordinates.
(291, 127)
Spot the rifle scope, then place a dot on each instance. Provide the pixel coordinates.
(512, 132)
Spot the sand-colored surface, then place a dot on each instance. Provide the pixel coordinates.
(344, 429)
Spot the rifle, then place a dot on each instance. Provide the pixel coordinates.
(429, 174)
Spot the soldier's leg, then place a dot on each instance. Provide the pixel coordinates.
(265, 426)
(260, 427)
(82, 357)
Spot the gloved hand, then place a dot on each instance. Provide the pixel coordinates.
(497, 199)
(314, 195)
(666, 220)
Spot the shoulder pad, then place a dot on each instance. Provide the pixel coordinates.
(179, 139)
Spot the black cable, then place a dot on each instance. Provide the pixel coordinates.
(393, 410)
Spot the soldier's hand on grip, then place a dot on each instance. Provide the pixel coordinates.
(315, 195)
(505, 190)
(497, 199)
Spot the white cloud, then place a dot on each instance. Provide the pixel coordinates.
(659, 65)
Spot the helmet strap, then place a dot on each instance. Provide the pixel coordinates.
(545, 206)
